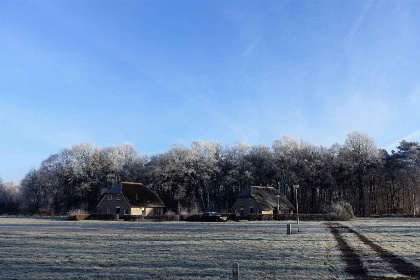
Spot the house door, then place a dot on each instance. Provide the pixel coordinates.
(143, 212)
(117, 210)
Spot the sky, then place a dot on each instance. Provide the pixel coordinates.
(155, 73)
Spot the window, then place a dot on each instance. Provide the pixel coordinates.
(108, 210)
(117, 210)
(109, 196)
(241, 209)
(118, 197)
(157, 212)
(125, 211)
(103, 211)
(251, 209)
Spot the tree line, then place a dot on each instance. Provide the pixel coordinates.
(207, 176)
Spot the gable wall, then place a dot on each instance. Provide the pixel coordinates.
(112, 204)
(246, 202)
(136, 211)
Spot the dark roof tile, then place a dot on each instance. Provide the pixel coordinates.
(267, 198)
(137, 194)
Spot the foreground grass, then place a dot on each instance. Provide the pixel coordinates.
(400, 236)
(56, 249)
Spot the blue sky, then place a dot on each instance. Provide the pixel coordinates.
(154, 73)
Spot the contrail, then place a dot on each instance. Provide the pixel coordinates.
(410, 136)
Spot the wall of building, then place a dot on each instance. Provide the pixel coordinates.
(106, 206)
(160, 211)
(246, 203)
(150, 212)
(274, 211)
(136, 211)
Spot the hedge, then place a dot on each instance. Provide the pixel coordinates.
(286, 217)
(302, 217)
(232, 216)
(81, 217)
(191, 218)
(132, 217)
(164, 218)
(104, 217)
(260, 217)
(197, 217)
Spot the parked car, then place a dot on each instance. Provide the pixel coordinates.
(213, 217)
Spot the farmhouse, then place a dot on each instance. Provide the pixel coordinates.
(128, 198)
(261, 200)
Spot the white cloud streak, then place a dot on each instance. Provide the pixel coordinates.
(358, 22)
(415, 135)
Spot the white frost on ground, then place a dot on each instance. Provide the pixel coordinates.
(400, 236)
(373, 263)
(57, 249)
(42, 248)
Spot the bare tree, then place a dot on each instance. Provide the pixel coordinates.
(9, 197)
(358, 154)
(207, 176)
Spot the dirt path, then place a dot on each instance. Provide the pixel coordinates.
(354, 262)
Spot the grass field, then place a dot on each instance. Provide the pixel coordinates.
(48, 248)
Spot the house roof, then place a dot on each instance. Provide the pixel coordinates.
(267, 198)
(137, 194)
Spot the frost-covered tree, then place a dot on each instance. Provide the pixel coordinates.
(9, 197)
(207, 176)
(33, 192)
(358, 155)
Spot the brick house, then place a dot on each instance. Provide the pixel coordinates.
(261, 200)
(128, 198)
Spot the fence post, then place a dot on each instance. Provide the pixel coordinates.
(235, 271)
(289, 229)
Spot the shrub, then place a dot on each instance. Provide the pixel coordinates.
(266, 217)
(77, 211)
(191, 218)
(341, 211)
(78, 215)
(302, 217)
(260, 217)
(132, 217)
(232, 216)
(314, 217)
(283, 217)
(104, 217)
(254, 217)
(81, 217)
(166, 218)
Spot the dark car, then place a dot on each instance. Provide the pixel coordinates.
(213, 217)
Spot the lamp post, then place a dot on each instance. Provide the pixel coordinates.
(278, 203)
(297, 204)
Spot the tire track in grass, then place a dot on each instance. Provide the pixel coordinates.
(354, 264)
(399, 264)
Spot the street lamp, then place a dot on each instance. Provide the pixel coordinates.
(297, 204)
(278, 203)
